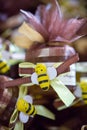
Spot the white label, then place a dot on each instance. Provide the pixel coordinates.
(69, 78)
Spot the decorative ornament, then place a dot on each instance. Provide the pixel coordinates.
(46, 77)
(25, 109)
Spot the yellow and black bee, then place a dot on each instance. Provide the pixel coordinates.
(4, 67)
(43, 75)
(24, 105)
(43, 78)
(83, 85)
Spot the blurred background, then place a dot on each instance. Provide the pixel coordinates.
(10, 19)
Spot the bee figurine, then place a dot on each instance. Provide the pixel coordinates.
(83, 85)
(24, 105)
(3, 67)
(43, 75)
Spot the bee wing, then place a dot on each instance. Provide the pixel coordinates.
(52, 73)
(28, 98)
(23, 117)
(34, 78)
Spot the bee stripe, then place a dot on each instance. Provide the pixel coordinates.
(2, 64)
(45, 88)
(85, 98)
(42, 78)
(29, 108)
(44, 81)
(84, 92)
(4, 68)
(32, 113)
(41, 75)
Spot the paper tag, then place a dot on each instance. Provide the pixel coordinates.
(69, 78)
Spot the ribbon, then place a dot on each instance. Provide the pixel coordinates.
(19, 125)
(40, 28)
(62, 91)
(26, 65)
(64, 67)
(41, 110)
(29, 36)
(84, 127)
